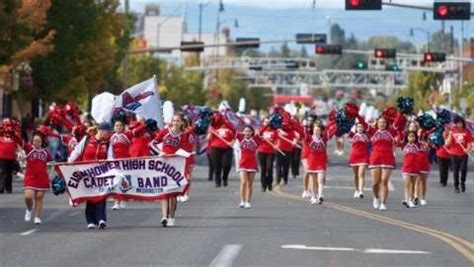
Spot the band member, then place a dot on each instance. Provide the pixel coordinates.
(36, 181)
(460, 142)
(93, 148)
(221, 138)
(266, 155)
(287, 138)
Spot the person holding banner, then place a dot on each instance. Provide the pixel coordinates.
(36, 181)
(266, 154)
(119, 149)
(140, 139)
(459, 140)
(174, 139)
(221, 138)
(93, 148)
(248, 164)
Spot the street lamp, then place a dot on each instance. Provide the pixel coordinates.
(428, 35)
(201, 7)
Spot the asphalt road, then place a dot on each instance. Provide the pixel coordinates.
(280, 229)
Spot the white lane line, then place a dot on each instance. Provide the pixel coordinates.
(29, 232)
(365, 251)
(391, 187)
(226, 256)
(304, 247)
(394, 251)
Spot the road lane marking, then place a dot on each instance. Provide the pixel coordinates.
(29, 232)
(226, 256)
(464, 247)
(365, 251)
(74, 213)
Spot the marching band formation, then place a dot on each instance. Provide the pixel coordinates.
(279, 145)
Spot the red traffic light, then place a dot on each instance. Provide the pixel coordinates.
(434, 57)
(363, 4)
(319, 50)
(385, 53)
(354, 3)
(329, 49)
(442, 10)
(452, 10)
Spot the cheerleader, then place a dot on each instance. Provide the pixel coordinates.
(173, 139)
(221, 139)
(382, 157)
(189, 146)
(359, 158)
(317, 160)
(266, 155)
(92, 148)
(119, 149)
(308, 125)
(423, 160)
(411, 167)
(36, 181)
(248, 164)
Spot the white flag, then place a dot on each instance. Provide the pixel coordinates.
(102, 107)
(142, 99)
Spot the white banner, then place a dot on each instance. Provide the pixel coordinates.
(150, 178)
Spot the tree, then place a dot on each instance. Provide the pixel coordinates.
(421, 85)
(337, 35)
(285, 50)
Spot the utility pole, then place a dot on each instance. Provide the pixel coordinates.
(125, 60)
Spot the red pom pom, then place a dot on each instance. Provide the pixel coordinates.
(351, 110)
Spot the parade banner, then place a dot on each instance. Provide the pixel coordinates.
(149, 178)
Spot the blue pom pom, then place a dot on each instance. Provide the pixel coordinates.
(443, 116)
(58, 185)
(275, 121)
(426, 121)
(201, 126)
(405, 104)
(344, 123)
(437, 138)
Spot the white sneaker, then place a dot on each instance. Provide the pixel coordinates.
(123, 204)
(305, 194)
(356, 194)
(38, 220)
(185, 198)
(423, 202)
(170, 222)
(247, 205)
(242, 204)
(376, 203)
(179, 199)
(91, 226)
(411, 204)
(313, 200)
(116, 206)
(27, 215)
(382, 207)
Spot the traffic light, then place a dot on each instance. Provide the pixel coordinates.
(385, 53)
(361, 65)
(329, 49)
(311, 38)
(248, 42)
(452, 11)
(392, 67)
(363, 4)
(192, 47)
(434, 57)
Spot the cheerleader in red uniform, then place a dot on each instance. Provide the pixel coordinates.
(317, 160)
(173, 139)
(140, 140)
(36, 181)
(119, 148)
(425, 166)
(382, 157)
(411, 167)
(308, 124)
(359, 158)
(248, 164)
(189, 146)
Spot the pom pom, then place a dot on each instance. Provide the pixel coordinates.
(443, 116)
(390, 114)
(437, 138)
(79, 131)
(275, 121)
(58, 185)
(343, 122)
(351, 109)
(405, 104)
(426, 121)
(201, 126)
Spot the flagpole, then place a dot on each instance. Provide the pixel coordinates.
(160, 109)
